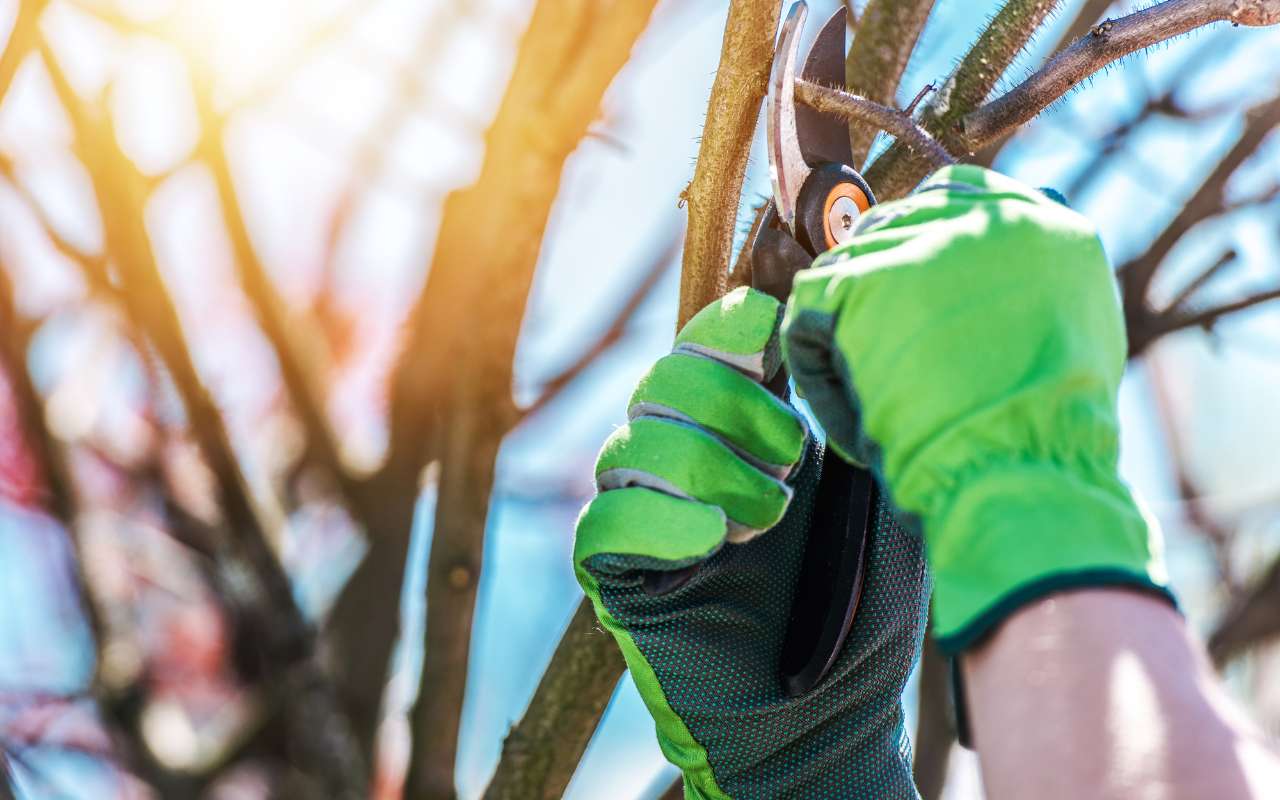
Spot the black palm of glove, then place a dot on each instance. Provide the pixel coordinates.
(705, 656)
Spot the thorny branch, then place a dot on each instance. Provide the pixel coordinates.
(886, 37)
(859, 109)
(714, 193)
(898, 170)
(1106, 42)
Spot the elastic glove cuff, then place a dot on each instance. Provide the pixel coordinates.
(1018, 532)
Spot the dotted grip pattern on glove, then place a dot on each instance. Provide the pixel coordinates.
(714, 647)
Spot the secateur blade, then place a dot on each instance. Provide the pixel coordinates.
(814, 184)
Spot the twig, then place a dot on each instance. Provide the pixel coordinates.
(1250, 621)
(898, 170)
(297, 365)
(714, 194)
(1104, 44)
(1208, 317)
(897, 123)
(887, 35)
(610, 337)
(1088, 14)
(1205, 202)
(1179, 300)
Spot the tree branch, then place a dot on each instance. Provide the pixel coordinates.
(454, 377)
(1104, 44)
(297, 365)
(887, 35)
(935, 735)
(1205, 202)
(22, 39)
(612, 335)
(859, 109)
(542, 751)
(898, 170)
(1250, 621)
(320, 734)
(714, 194)
(1180, 300)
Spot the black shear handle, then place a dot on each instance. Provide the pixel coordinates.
(832, 570)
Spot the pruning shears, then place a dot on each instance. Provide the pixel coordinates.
(817, 199)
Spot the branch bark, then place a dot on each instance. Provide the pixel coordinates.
(1104, 44)
(897, 172)
(715, 192)
(860, 109)
(886, 37)
(542, 751)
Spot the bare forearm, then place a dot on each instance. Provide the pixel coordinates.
(1104, 694)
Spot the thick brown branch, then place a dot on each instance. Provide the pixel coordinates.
(542, 750)
(859, 109)
(1104, 44)
(886, 37)
(897, 172)
(715, 192)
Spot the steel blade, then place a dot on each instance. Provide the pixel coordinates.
(787, 166)
(823, 137)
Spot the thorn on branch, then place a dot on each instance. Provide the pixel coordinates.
(910, 110)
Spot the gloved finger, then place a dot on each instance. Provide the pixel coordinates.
(686, 461)
(740, 329)
(762, 428)
(638, 528)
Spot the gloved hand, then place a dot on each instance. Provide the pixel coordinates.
(968, 346)
(713, 470)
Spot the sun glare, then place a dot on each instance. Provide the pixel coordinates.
(238, 42)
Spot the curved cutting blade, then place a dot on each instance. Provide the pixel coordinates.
(824, 138)
(787, 166)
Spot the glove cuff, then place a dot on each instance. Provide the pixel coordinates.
(1019, 532)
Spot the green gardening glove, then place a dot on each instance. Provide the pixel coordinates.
(714, 472)
(968, 346)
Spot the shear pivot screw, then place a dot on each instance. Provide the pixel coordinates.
(844, 211)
